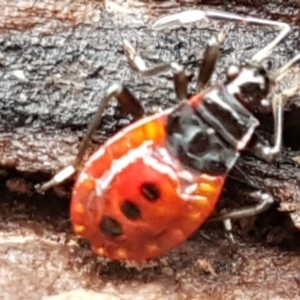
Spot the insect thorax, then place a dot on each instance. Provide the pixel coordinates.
(208, 132)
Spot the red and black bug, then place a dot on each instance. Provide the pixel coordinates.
(158, 180)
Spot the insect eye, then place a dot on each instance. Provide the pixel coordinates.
(232, 72)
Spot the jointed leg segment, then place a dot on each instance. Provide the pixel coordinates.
(193, 16)
(262, 151)
(128, 102)
(264, 202)
(266, 152)
(210, 58)
(179, 77)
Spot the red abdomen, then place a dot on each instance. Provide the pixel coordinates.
(133, 200)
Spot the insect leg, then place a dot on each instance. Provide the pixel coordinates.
(228, 230)
(194, 16)
(210, 58)
(282, 71)
(128, 102)
(179, 77)
(265, 152)
(264, 202)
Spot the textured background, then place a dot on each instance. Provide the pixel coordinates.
(56, 59)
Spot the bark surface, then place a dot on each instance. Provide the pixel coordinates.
(57, 58)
